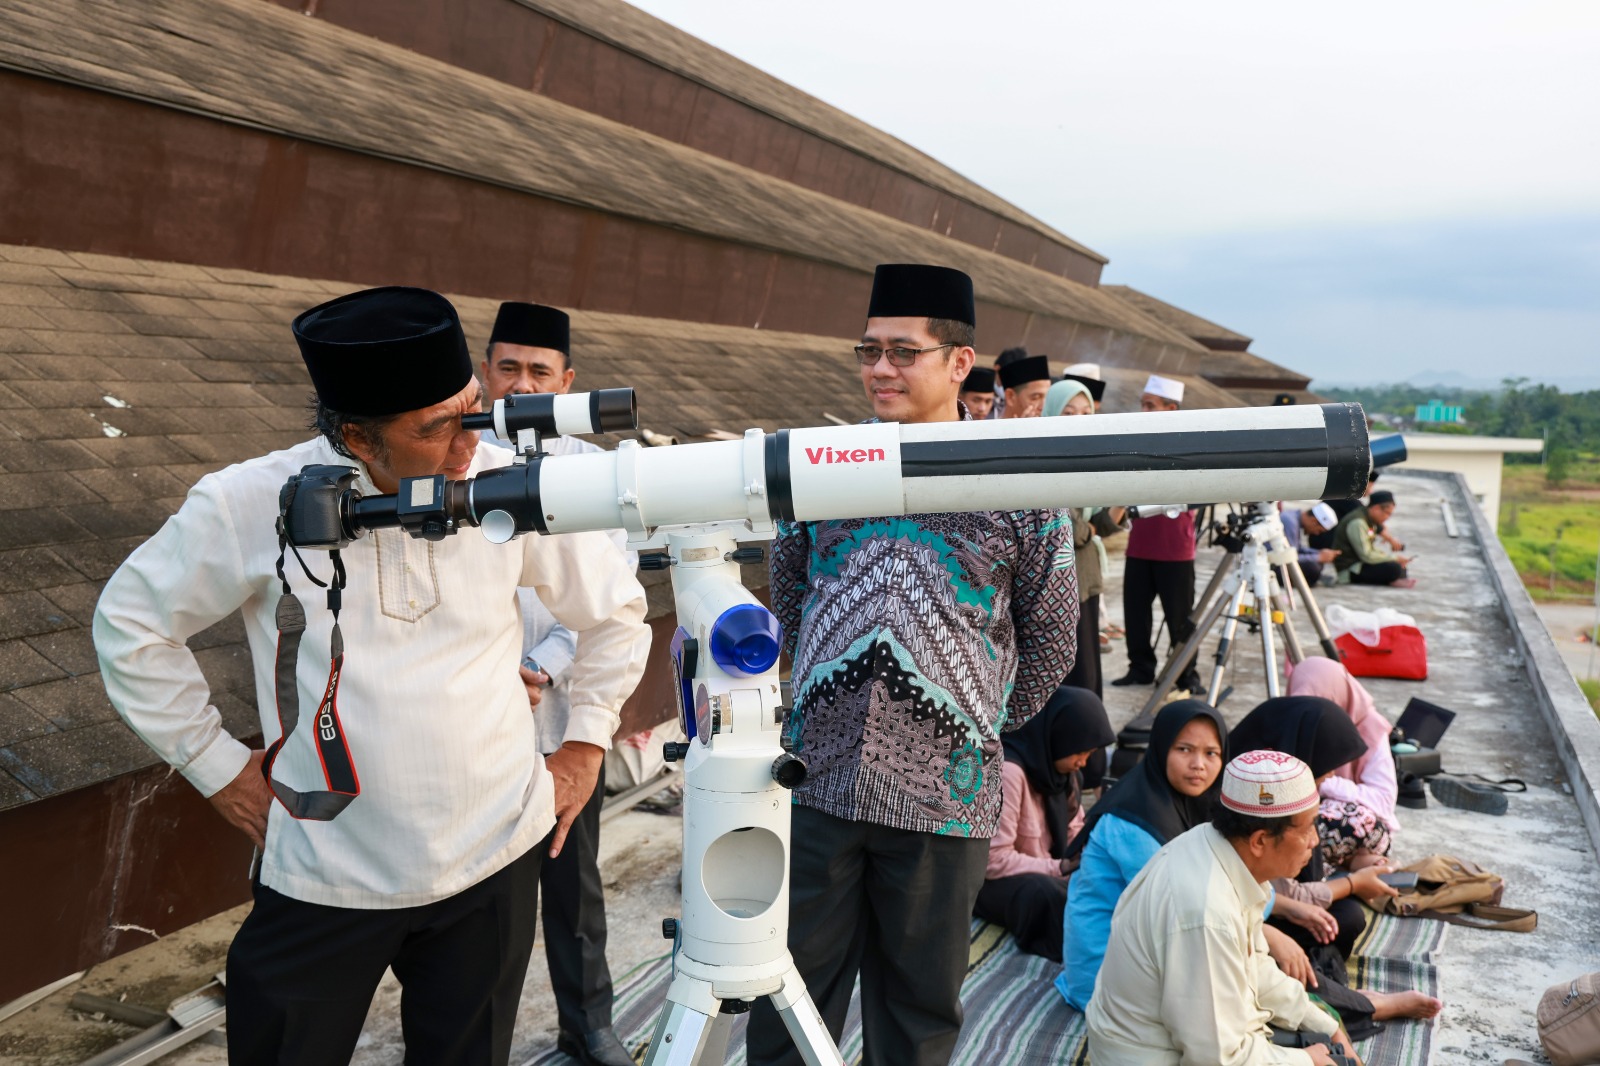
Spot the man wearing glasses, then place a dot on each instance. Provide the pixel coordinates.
(915, 640)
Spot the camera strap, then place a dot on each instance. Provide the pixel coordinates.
(338, 768)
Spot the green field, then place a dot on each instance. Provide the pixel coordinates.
(1552, 534)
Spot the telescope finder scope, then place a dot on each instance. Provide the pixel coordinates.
(548, 413)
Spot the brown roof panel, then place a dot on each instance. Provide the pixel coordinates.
(257, 65)
(1208, 333)
(1246, 370)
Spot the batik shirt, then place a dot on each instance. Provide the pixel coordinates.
(916, 640)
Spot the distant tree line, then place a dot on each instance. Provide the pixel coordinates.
(1569, 422)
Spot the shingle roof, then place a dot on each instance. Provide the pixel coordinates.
(123, 381)
(664, 44)
(1246, 370)
(1208, 333)
(255, 64)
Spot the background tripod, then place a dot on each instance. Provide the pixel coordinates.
(1250, 586)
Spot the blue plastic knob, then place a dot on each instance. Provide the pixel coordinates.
(744, 639)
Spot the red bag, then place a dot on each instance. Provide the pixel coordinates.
(1402, 652)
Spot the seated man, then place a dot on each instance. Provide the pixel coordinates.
(1300, 527)
(1187, 977)
(1363, 558)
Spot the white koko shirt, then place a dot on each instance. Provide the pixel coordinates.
(555, 647)
(1187, 978)
(453, 787)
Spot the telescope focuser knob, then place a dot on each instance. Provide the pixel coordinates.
(673, 751)
(788, 769)
(654, 561)
(669, 928)
(752, 555)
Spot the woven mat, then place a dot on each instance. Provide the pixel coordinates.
(1015, 1015)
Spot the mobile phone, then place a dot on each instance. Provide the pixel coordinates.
(1399, 880)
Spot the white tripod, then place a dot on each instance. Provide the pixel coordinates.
(1251, 586)
(731, 945)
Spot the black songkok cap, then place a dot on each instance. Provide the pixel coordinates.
(914, 290)
(979, 379)
(1283, 399)
(1382, 496)
(532, 325)
(1033, 368)
(384, 351)
(1096, 387)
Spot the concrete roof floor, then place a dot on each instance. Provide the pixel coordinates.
(1491, 982)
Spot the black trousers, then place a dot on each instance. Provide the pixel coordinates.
(894, 906)
(301, 975)
(1350, 915)
(575, 923)
(1032, 906)
(1377, 574)
(1143, 580)
(1086, 670)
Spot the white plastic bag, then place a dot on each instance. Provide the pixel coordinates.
(1364, 625)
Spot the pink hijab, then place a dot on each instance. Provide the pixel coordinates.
(1316, 676)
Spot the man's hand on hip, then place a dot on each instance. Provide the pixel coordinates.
(575, 770)
(244, 801)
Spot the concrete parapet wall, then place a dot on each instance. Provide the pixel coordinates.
(1573, 725)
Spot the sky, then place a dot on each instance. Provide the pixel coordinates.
(1374, 191)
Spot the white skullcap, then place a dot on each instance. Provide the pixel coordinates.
(1324, 514)
(1085, 370)
(1165, 388)
(1269, 784)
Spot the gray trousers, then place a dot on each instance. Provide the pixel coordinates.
(893, 906)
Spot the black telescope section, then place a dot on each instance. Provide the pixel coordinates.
(512, 489)
(780, 493)
(1386, 451)
(610, 411)
(1339, 446)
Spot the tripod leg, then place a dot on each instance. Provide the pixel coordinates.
(1319, 623)
(687, 1025)
(1225, 645)
(1291, 639)
(1178, 663)
(1269, 652)
(806, 1028)
(1203, 604)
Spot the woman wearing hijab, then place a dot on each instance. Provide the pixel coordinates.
(1358, 816)
(1313, 922)
(1041, 780)
(1170, 792)
(1074, 398)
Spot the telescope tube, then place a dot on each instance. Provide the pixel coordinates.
(885, 468)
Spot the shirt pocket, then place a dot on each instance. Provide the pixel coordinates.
(408, 580)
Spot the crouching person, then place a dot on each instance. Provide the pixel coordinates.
(1187, 978)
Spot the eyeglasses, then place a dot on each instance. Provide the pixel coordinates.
(869, 354)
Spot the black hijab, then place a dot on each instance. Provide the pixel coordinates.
(1145, 797)
(1072, 722)
(1316, 731)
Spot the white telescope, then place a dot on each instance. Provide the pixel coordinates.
(701, 500)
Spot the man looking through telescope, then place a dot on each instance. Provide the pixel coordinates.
(915, 641)
(530, 351)
(422, 853)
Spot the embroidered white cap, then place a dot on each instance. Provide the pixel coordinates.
(1085, 370)
(1324, 514)
(1165, 388)
(1268, 784)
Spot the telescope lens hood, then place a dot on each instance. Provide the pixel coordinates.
(744, 639)
(613, 410)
